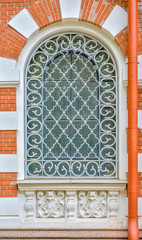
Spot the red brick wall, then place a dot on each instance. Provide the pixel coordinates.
(44, 12)
(95, 11)
(7, 99)
(8, 142)
(8, 187)
(12, 43)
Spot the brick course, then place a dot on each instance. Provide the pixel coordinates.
(7, 99)
(43, 12)
(8, 142)
(8, 187)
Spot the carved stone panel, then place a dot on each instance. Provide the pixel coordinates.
(71, 205)
(50, 204)
(92, 204)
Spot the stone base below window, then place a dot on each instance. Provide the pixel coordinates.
(98, 205)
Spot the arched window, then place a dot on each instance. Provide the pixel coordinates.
(71, 109)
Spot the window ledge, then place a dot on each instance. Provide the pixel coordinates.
(109, 185)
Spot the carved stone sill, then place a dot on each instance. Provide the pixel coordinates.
(35, 185)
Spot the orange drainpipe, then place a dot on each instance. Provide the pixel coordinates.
(132, 122)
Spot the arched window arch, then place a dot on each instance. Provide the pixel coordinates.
(71, 109)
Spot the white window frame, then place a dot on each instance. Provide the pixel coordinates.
(74, 26)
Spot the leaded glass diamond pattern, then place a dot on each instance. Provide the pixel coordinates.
(71, 109)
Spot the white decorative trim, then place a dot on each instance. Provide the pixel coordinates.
(9, 77)
(139, 162)
(6, 63)
(112, 185)
(70, 8)
(24, 23)
(140, 61)
(9, 206)
(140, 68)
(126, 214)
(8, 121)
(139, 206)
(8, 163)
(126, 119)
(140, 119)
(116, 21)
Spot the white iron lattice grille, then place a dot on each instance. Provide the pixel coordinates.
(71, 109)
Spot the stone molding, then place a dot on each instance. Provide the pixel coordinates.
(43, 185)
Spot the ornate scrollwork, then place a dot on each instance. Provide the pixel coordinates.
(92, 204)
(71, 106)
(50, 204)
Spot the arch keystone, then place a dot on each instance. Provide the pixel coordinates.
(70, 8)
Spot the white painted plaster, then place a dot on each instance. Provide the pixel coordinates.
(9, 75)
(6, 63)
(126, 206)
(139, 206)
(9, 222)
(139, 162)
(126, 119)
(140, 60)
(24, 23)
(126, 163)
(140, 119)
(8, 163)
(125, 73)
(9, 206)
(80, 27)
(8, 121)
(140, 67)
(70, 8)
(116, 21)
